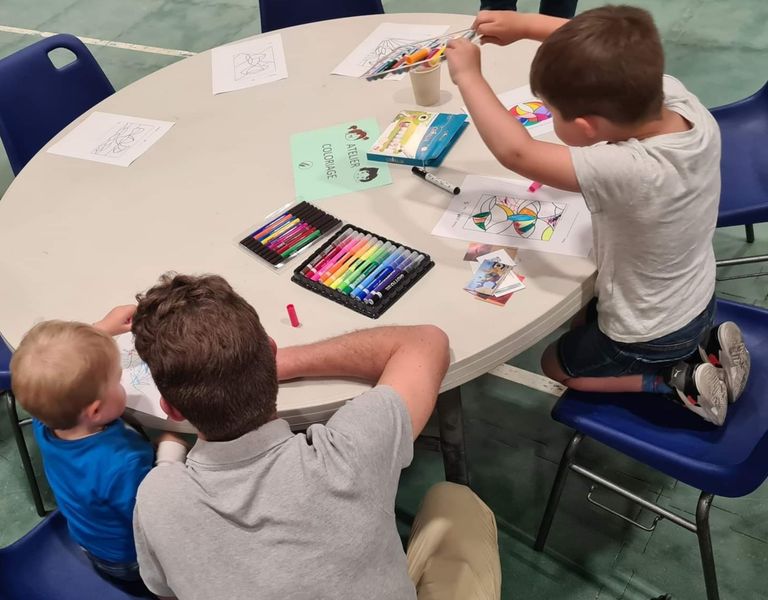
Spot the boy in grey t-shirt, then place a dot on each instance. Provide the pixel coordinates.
(645, 154)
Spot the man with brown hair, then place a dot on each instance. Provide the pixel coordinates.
(645, 154)
(258, 511)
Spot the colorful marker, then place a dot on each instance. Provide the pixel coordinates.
(381, 273)
(334, 256)
(366, 268)
(311, 267)
(358, 290)
(391, 282)
(335, 278)
(345, 257)
(358, 264)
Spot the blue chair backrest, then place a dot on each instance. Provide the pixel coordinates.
(276, 14)
(47, 565)
(37, 99)
(5, 367)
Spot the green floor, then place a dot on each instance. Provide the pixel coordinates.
(718, 49)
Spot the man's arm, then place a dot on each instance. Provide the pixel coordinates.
(412, 360)
(505, 136)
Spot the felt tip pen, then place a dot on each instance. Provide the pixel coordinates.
(392, 281)
(359, 292)
(324, 254)
(441, 183)
(400, 265)
(330, 259)
(359, 264)
(349, 251)
(367, 268)
(299, 245)
(338, 272)
(383, 273)
(535, 185)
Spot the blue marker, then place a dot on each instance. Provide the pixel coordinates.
(377, 294)
(384, 273)
(387, 261)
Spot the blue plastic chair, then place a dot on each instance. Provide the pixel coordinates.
(277, 14)
(46, 564)
(16, 424)
(744, 166)
(37, 99)
(731, 460)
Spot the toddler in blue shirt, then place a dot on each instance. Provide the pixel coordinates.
(67, 376)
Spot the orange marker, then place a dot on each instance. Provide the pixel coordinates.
(417, 56)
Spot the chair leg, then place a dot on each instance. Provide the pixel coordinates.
(750, 233)
(26, 461)
(705, 545)
(569, 455)
(451, 423)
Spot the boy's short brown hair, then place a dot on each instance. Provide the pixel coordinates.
(607, 62)
(208, 354)
(61, 367)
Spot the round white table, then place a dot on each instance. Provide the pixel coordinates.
(80, 237)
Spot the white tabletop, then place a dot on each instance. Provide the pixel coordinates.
(80, 237)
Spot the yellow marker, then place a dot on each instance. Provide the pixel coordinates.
(279, 230)
(436, 57)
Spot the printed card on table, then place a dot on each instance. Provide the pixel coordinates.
(112, 139)
(331, 161)
(381, 42)
(247, 64)
(528, 109)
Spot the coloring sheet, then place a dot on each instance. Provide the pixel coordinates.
(112, 139)
(528, 109)
(247, 64)
(503, 212)
(140, 390)
(383, 40)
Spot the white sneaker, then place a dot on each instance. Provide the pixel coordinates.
(726, 348)
(702, 390)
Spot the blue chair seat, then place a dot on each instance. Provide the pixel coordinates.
(5, 366)
(46, 564)
(726, 461)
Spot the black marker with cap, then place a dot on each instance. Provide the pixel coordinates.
(441, 183)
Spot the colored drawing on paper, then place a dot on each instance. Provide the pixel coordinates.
(505, 215)
(531, 113)
(137, 370)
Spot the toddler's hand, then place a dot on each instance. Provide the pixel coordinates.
(117, 320)
(500, 27)
(463, 59)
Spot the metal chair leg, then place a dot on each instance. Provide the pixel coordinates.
(26, 461)
(569, 455)
(705, 545)
(750, 233)
(451, 423)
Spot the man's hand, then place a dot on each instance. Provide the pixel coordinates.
(463, 60)
(500, 27)
(117, 320)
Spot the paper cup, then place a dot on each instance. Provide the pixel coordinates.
(426, 85)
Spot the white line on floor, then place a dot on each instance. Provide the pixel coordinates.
(98, 42)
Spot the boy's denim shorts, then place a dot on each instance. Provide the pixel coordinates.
(585, 351)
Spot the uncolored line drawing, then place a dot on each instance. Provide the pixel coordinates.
(123, 139)
(247, 64)
(383, 49)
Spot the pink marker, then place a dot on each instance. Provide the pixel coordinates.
(535, 185)
(292, 315)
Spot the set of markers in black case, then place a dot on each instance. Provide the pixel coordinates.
(362, 271)
(288, 232)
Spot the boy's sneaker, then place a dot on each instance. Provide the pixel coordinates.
(726, 348)
(701, 389)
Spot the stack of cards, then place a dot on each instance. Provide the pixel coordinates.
(494, 280)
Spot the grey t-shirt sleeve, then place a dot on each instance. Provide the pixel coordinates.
(611, 174)
(149, 567)
(374, 430)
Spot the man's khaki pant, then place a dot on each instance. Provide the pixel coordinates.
(453, 551)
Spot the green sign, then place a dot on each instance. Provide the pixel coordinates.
(331, 161)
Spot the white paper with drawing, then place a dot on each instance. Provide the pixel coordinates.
(504, 213)
(528, 109)
(247, 64)
(383, 40)
(112, 139)
(140, 390)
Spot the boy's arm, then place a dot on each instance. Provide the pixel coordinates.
(503, 27)
(412, 360)
(117, 320)
(505, 136)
